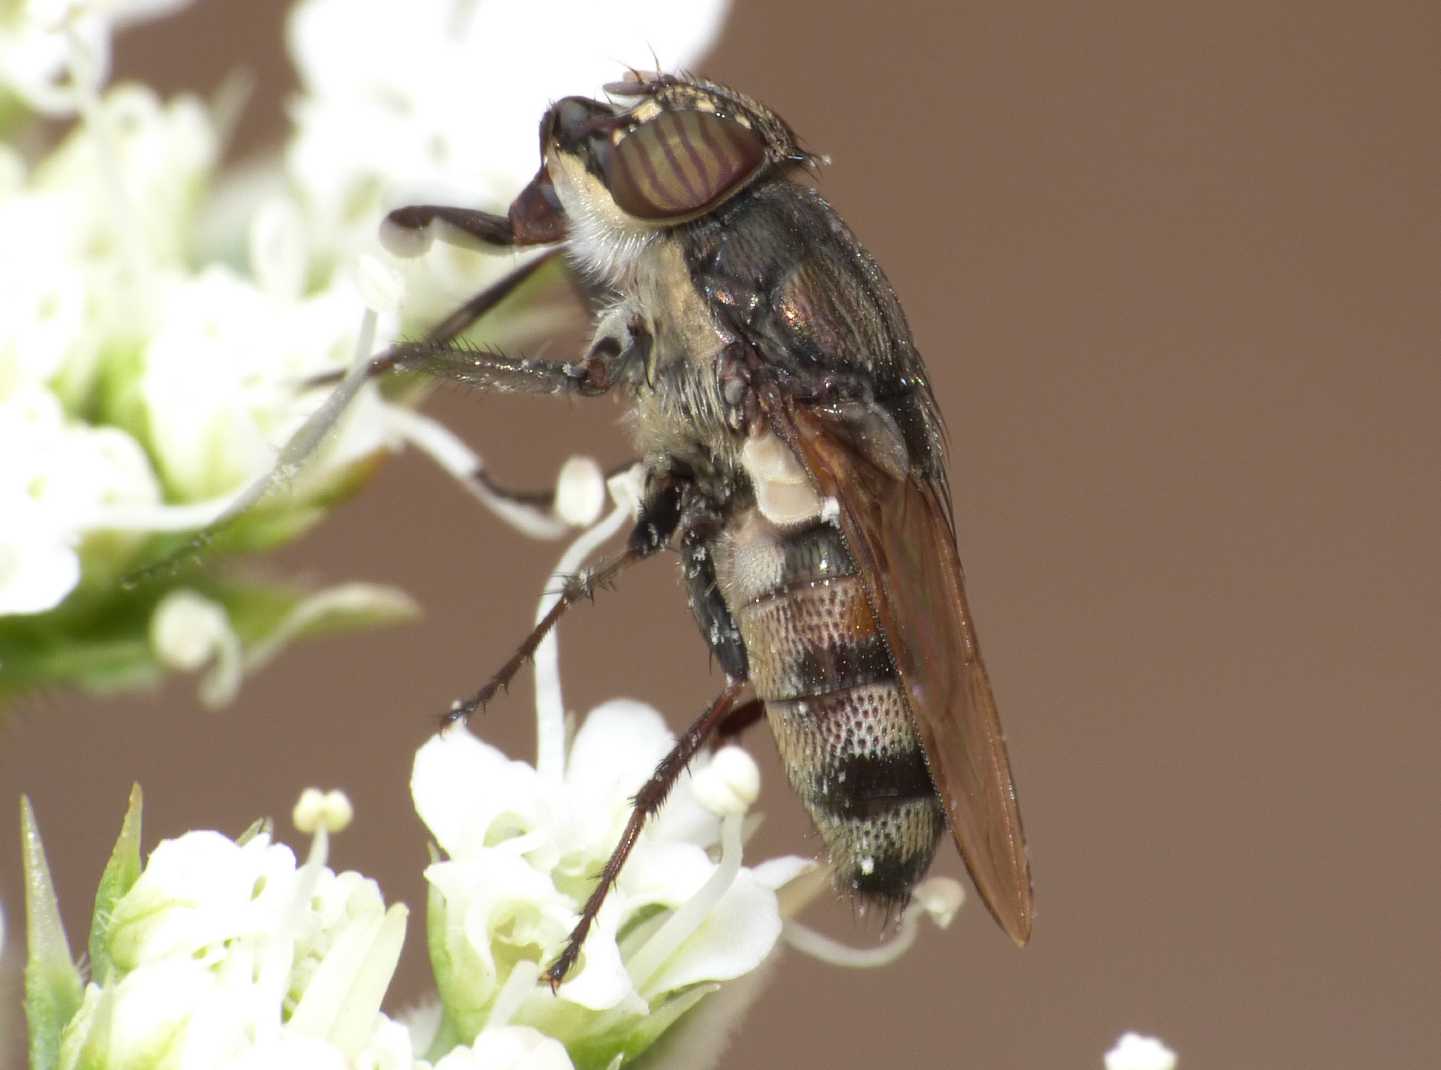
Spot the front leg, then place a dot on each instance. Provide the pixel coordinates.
(611, 355)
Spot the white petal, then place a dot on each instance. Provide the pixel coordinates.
(617, 748)
(389, 1048)
(513, 1047)
(198, 891)
(734, 939)
(602, 982)
(220, 379)
(495, 902)
(277, 248)
(343, 997)
(663, 873)
(773, 873)
(466, 791)
(1135, 1052)
(38, 566)
(287, 1050)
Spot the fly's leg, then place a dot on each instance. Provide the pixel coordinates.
(740, 719)
(647, 801)
(601, 368)
(453, 325)
(660, 514)
(580, 586)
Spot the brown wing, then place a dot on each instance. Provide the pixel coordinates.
(898, 530)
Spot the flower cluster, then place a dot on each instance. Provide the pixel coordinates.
(521, 850)
(145, 380)
(40, 39)
(167, 313)
(228, 953)
(218, 953)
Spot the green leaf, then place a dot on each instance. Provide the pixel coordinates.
(53, 986)
(98, 639)
(261, 826)
(121, 873)
(442, 967)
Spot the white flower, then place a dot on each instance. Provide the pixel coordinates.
(1135, 1052)
(57, 472)
(511, 1047)
(163, 318)
(521, 853)
(103, 317)
(432, 101)
(522, 845)
(40, 41)
(230, 954)
(189, 631)
(216, 423)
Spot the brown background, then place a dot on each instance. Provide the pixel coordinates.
(1176, 275)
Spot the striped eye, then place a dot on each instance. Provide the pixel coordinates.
(681, 163)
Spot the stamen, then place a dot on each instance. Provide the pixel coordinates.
(459, 461)
(938, 898)
(516, 990)
(316, 809)
(369, 599)
(688, 917)
(549, 706)
(306, 817)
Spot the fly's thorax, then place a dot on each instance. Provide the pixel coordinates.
(676, 407)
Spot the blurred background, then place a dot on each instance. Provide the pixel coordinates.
(1176, 272)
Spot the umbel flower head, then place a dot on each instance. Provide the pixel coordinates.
(520, 847)
(221, 952)
(166, 313)
(217, 953)
(521, 850)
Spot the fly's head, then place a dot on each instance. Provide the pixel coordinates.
(662, 151)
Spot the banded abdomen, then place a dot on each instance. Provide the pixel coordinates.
(818, 661)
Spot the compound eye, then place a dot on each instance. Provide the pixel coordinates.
(681, 163)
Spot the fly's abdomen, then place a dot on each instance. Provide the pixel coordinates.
(818, 660)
